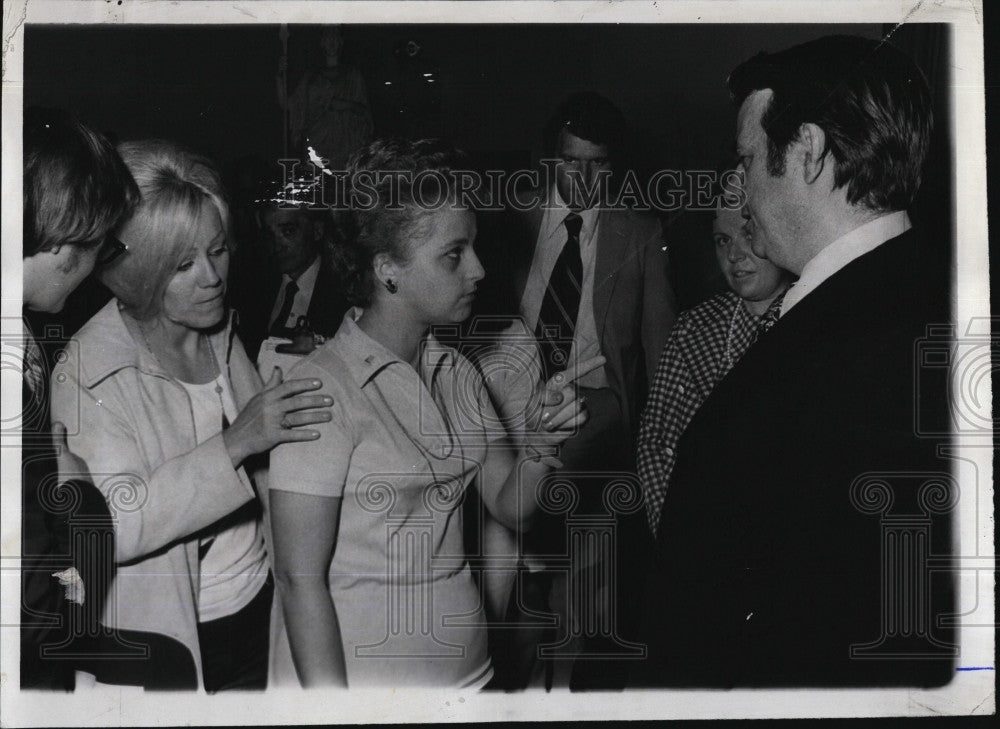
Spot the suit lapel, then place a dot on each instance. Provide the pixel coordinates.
(528, 225)
(610, 244)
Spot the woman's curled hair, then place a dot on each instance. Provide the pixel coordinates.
(391, 185)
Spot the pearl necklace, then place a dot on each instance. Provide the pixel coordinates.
(730, 355)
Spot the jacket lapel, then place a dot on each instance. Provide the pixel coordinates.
(610, 251)
(525, 237)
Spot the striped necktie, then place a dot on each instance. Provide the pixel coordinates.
(561, 303)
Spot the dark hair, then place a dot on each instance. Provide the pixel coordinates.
(386, 209)
(871, 101)
(589, 116)
(76, 187)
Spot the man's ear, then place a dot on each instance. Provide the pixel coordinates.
(812, 147)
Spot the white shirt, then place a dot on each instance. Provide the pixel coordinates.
(235, 567)
(300, 305)
(842, 251)
(550, 242)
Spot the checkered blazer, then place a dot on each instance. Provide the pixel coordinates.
(703, 346)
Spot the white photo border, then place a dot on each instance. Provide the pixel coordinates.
(971, 692)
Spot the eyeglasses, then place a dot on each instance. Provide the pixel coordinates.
(111, 250)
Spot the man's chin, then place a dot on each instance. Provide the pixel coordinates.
(461, 312)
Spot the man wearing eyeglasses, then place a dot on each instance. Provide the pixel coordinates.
(76, 190)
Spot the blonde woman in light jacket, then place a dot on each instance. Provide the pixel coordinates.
(163, 404)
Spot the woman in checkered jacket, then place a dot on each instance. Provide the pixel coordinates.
(704, 344)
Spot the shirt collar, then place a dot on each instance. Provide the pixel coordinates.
(111, 346)
(367, 358)
(307, 279)
(556, 212)
(842, 251)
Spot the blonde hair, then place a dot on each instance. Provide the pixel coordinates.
(175, 185)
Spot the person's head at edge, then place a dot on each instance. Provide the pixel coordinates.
(76, 191)
(410, 253)
(585, 133)
(178, 239)
(831, 134)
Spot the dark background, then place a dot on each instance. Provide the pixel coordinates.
(213, 88)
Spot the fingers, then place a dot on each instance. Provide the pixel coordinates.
(275, 380)
(308, 417)
(551, 398)
(569, 428)
(297, 435)
(303, 402)
(294, 387)
(575, 371)
(559, 418)
(70, 466)
(59, 434)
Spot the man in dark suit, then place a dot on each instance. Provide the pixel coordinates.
(776, 563)
(295, 279)
(76, 191)
(588, 280)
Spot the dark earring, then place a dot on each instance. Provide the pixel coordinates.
(390, 286)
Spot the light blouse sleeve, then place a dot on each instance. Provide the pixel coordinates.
(319, 467)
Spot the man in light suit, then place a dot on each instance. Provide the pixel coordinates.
(771, 567)
(588, 281)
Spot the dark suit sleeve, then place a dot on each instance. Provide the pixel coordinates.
(659, 305)
(92, 552)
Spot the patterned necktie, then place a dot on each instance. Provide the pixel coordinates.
(561, 304)
(279, 328)
(770, 317)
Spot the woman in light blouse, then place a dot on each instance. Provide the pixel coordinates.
(367, 522)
